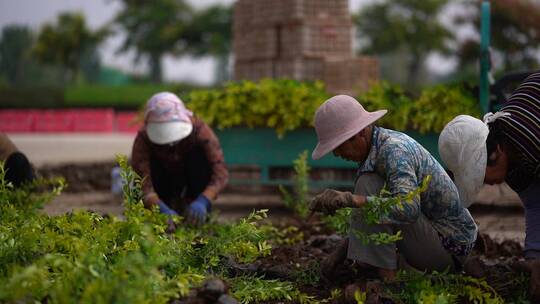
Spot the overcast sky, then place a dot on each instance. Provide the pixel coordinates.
(98, 12)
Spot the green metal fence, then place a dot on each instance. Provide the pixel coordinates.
(261, 147)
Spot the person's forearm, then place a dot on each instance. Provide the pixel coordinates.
(359, 200)
(210, 193)
(150, 200)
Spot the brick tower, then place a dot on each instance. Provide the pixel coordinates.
(299, 39)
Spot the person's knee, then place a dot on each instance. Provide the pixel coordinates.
(18, 169)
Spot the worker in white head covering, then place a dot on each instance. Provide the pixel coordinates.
(462, 147)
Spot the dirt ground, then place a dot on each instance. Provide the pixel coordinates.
(498, 212)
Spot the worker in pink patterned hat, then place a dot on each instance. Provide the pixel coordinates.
(436, 231)
(180, 159)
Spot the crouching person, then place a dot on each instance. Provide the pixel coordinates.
(18, 169)
(180, 159)
(437, 232)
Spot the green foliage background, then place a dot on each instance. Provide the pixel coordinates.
(282, 104)
(286, 105)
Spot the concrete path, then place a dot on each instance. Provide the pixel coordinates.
(51, 149)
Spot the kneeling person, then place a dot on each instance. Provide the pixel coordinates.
(18, 169)
(437, 231)
(180, 159)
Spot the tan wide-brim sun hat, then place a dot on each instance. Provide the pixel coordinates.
(462, 147)
(338, 119)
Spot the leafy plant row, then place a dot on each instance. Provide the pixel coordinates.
(83, 257)
(286, 105)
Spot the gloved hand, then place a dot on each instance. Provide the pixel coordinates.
(331, 200)
(163, 208)
(197, 210)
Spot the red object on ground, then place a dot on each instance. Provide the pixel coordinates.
(56, 121)
(17, 120)
(95, 120)
(126, 122)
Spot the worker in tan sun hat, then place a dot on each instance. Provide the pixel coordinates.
(180, 159)
(433, 222)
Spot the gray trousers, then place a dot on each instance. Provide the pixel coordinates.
(420, 246)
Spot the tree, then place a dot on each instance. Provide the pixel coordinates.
(154, 28)
(209, 33)
(15, 46)
(515, 32)
(67, 42)
(409, 25)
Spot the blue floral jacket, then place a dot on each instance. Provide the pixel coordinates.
(404, 164)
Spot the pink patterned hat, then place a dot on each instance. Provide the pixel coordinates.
(167, 119)
(338, 119)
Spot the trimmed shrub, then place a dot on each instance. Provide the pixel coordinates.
(31, 97)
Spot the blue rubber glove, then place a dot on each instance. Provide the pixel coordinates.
(197, 210)
(163, 208)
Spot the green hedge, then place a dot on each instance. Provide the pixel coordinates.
(286, 105)
(31, 97)
(119, 97)
(280, 104)
(124, 97)
(428, 112)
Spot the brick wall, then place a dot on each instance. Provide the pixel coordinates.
(299, 39)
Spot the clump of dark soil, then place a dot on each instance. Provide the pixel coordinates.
(212, 291)
(81, 177)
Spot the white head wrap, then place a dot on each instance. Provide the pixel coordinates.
(462, 147)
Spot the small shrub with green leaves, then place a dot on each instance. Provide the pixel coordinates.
(298, 202)
(442, 287)
(256, 290)
(372, 212)
(437, 105)
(384, 95)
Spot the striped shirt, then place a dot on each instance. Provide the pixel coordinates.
(522, 126)
(522, 130)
